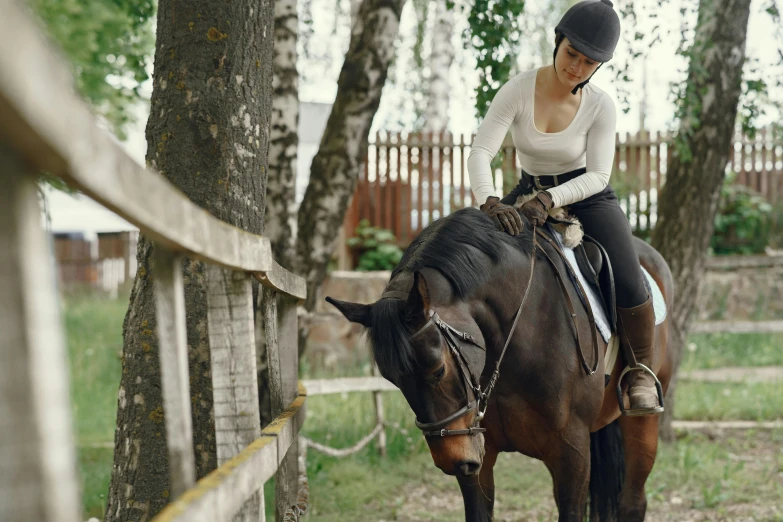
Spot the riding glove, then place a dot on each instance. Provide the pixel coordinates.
(537, 209)
(505, 216)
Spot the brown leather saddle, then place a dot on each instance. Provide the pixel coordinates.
(594, 264)
(593, 261)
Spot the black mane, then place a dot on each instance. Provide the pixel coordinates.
(465, 247)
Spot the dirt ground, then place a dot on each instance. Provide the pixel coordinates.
(738, 477)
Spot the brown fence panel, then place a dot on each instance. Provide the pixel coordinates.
(409, 180)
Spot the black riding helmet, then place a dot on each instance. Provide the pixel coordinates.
(593, 28)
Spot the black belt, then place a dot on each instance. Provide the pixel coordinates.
(545, 182)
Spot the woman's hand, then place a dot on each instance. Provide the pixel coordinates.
(505, 216)
(537, 209)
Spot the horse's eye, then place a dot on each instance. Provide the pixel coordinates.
(439, 373)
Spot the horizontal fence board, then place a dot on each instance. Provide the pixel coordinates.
(737, 327)
(724, 425)
(219, 495)
(735, 374)
(42, 117)
(735, 262)
(347, 384)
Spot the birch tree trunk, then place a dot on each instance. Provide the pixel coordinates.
(356, 6)
(207, 134)
(335, 168)
(441, 58)
(695, 173)
(283, 140)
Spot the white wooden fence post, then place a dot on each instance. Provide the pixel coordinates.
(282, 353)
(380, 418)
(289, 364)
(175, 377)
(234, 380)
(37, 461)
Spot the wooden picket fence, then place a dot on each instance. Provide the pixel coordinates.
(409, 180)
(45, 127)
(105, 263)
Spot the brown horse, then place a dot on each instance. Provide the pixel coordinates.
(438, 333)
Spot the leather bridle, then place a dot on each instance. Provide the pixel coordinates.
(472, 383)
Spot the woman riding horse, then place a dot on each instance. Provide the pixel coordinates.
(564, 132)
(485, 343)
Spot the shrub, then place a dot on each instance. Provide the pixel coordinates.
(743, 220)
(376, 247)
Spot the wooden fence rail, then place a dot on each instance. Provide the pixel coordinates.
(45, 126)
(409, 180)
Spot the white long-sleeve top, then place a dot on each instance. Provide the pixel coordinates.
(589, 141)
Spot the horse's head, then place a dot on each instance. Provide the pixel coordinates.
(426, 343)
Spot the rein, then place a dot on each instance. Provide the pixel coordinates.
(454, 336)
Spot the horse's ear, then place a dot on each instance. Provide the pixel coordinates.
(419, 297)
(354, 312)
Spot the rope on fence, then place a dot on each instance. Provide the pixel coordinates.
(333, 452)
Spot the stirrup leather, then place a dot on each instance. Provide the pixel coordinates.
(639, 411)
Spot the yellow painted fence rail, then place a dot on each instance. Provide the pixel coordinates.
(44, 126)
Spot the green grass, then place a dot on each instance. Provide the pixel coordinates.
(94, 330)
(95, 466)
(405, 485)
(736, 401)
(94, 336)
(697, 472)
(705, 351)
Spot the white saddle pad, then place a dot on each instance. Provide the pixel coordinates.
(601, 319)
(599, 311)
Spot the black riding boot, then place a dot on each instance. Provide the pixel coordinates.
(636, 327)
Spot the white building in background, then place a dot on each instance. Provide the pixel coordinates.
(312, 123)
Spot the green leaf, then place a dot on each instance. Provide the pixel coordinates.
(108, 44)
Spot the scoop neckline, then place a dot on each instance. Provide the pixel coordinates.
(533, 109)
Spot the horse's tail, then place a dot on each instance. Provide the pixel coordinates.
(607, 472)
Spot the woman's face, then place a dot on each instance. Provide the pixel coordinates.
(572, 66)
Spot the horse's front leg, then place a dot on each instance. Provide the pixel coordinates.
(569, 465)
(478, 491)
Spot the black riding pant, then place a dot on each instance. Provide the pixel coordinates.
(604, 220)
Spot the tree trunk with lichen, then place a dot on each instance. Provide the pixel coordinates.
(697, 165)
(335, 168)
(207, 134)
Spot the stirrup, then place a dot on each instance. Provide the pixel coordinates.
(639, 411)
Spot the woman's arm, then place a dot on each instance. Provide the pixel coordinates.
(491, 133)
(600, 157)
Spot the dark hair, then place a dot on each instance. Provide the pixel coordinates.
(559, 37)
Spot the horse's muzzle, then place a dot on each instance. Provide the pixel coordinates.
(466, 468)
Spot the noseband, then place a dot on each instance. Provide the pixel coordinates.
(455, 337)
